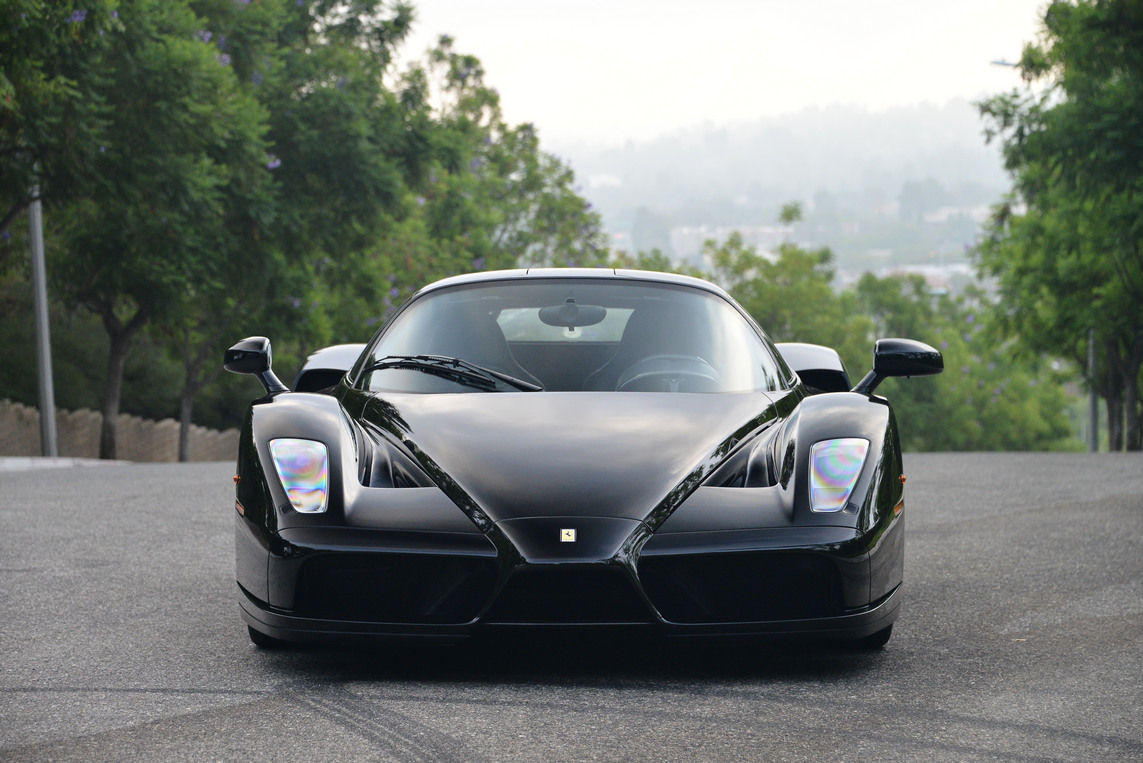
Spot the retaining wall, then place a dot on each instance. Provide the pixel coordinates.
(77, 435)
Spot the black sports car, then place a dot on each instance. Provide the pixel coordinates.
(572, 448)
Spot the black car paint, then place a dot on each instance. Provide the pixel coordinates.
(651, 468)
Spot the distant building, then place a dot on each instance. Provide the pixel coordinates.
(979, 214)
(687, 241)
(621, 242)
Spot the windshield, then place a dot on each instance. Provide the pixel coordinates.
(575, 335)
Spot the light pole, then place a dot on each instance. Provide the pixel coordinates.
(48, 445)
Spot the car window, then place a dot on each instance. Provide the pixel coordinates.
(577, 334)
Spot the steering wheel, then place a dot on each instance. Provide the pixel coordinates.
(669, 373)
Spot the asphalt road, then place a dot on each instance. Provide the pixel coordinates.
(1021, 638)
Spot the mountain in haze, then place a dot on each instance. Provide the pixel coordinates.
(869, 181)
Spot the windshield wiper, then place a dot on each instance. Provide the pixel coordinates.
(454, 369)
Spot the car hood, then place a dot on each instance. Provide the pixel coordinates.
(552, 454)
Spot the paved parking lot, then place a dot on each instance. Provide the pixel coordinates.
(1021, 638)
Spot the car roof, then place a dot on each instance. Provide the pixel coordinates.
(526, 274)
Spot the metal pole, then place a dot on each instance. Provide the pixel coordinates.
(43, 339)
(1093, 401)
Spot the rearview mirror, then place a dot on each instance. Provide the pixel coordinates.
(900, 357)
(569, 315)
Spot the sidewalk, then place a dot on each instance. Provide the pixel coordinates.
(29, 463)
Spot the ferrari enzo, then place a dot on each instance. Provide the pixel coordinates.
(571, 449)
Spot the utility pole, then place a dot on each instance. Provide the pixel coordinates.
(48, 445)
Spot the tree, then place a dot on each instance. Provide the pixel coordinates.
(987, 398)
(790, 293)
(177, 188)
(339, 153)
(491, 190)
(52, 117)
(1070, 261)
(379, 187)
(917, 198)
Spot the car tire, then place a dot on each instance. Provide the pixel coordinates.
(875, 641)
(262, 641)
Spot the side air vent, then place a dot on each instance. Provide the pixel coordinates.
(385, 465)
(752, 466)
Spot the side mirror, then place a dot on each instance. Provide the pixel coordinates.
(253, 356)
(900, 357)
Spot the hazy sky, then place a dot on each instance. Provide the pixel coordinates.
(612, 70)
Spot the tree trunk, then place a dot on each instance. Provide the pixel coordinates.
(193, 381)
(1123, 420)
(186, 406)
(1129, 375)
(186, 396)
(112, 387)
(1115, 422)
(1131, 412)
(1114, 397)
(121, 336)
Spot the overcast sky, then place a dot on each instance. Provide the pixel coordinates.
(614, 70)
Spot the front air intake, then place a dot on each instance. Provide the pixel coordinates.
(742, 587)
(566, 594)
(395, 588)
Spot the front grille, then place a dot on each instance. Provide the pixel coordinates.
(594, 593)
(395, 588)
(742, 587)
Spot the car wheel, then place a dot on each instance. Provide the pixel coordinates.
(262, 641)
(876, 641)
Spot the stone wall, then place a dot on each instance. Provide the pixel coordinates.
(77, 435)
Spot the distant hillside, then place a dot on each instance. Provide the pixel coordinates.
(852, 169)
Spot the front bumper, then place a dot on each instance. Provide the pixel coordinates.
(288, 627)
(343, 585)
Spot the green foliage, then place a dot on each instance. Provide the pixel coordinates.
(240, 168)
(178, 182)
(653, 260)
(791, 213)
(1068, 249)
(79, 359)
(178, 188)
(215, 169)
(790, 294)
(491, 189)
(51, 112)
(988, 398)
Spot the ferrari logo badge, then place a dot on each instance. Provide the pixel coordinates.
(567, 535)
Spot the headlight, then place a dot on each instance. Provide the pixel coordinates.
(835, 466)
(303, 468)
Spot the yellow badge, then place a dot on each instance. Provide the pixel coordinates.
(567, 535)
